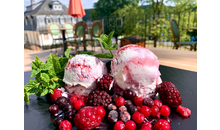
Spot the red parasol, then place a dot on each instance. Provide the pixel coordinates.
(76, 9)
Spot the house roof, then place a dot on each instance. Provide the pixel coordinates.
(44, 9)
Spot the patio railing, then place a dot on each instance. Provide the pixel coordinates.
(36, 37)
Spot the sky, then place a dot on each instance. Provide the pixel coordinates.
(87, 4)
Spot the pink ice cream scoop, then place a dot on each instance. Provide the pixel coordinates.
(136, 68)
(81, 73)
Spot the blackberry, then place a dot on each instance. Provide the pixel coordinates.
(169, 95)
(99, 98)
(104, 82)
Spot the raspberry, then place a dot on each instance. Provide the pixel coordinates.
(183, 111)
(119, 101)
(138, 117)
(87, 118)
(105, 82)
(99, 98)
(65, 125)
(119, 125)
(165, 110)
(56, 94)
(130, 125)
(138, 101)
(78, 104)
(162, 124)
(155, 111)
(73, 99)
(169, 94)
(145, 110)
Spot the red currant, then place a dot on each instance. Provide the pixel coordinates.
(147, 124)
(158, 103)
(130, 125)
(119, 101)
(145, 128)
(145, 110)
(155, 111)
(119, 125)
(100, 111)
(78, 104)
(165, 110)
(138, 101)
(162, 124)
(138, 117)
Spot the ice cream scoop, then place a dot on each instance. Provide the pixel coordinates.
(81, 73)
(136, 68)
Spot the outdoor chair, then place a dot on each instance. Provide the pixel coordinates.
(79, 35)
(95, 31)
(54, 30)
(69, 30)
(176, 36)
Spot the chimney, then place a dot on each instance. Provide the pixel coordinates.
(32, 2)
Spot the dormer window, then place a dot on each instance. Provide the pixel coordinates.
(57, 7)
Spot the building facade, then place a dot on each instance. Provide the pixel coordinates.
(38, 15)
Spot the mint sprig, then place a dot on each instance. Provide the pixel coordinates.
(48, 75)
(106, 41)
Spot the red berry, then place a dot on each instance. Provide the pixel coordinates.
(87, 118)
(158, 103)
(155, 111)
(104, 82)
(138, 101)
(145, 128)
(83, 98)
(147, 124)
(169, 94)
(138, 117)
(119, 125)
(78, 104)
(162, 124)
(145, 110)
(65, 125)
(100, 111)
(119, 101)
(56, 94)
(130, 125)
(165, 110)
(53, 109)
(183, 111)
(73, 99)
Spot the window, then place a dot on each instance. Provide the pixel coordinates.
(62, 20)
(57, 7)
(31, 20)
(25, 21)
(73, 20)
(48, 19)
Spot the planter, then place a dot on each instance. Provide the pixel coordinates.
(137, 40)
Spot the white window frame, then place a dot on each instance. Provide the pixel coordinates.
(48, 18)
(61, 18)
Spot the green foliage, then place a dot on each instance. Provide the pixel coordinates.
(48, 75)
(106, 41)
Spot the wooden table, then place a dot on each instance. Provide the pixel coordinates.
(193, 28)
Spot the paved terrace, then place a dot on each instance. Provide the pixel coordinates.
(181, 59)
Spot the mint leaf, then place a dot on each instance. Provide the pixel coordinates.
(114, 47)
(44, 92)
(51, 91)
(67, 52)
(30, 84)
(46, 66)
(104, 55)
(33, 65)
(88, 53)
(45, 77)
(26, 96)
(34, 72)
(34, 90)
(52, 59)
(109, 40)
(37, 61)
